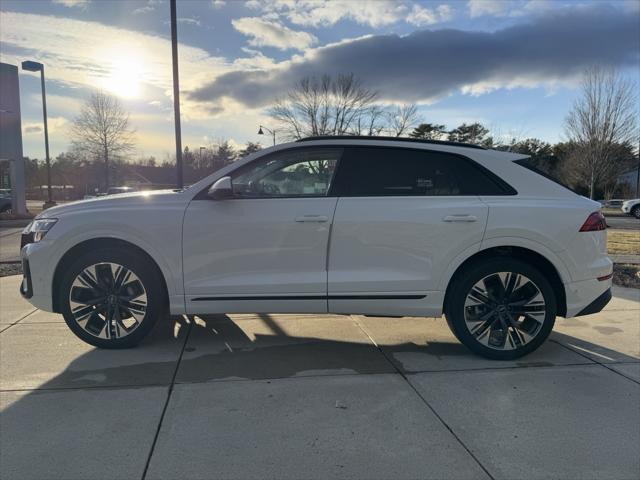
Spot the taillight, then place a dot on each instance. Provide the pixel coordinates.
(594, 222)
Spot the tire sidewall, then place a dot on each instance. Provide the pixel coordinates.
(141, 268)
(469, 277)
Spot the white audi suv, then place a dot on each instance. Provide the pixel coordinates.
(344, 225)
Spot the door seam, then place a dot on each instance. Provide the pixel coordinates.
(328, 252)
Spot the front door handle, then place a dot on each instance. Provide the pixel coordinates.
(460, 218)
(312, 218)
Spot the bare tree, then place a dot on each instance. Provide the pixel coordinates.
(325, 106)
(102, 130)
(602, 119)
(402, 118)
(371, 122)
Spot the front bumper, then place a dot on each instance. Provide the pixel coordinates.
(626, 208)
(37, 267)
(26, 286)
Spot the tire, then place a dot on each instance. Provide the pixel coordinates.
(635, 211)
(493, 325)
(96, 287)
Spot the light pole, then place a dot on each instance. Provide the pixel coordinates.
(638, 174)
(31, 66)
(176, 93)
(272, 132)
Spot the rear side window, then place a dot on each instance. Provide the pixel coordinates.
(374, 172)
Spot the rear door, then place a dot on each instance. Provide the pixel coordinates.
(402, 216)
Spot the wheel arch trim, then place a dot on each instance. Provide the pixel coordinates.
(80, 246)
(524, 249)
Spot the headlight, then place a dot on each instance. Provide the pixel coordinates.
(36, 230)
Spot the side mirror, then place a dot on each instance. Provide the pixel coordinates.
(221, 189)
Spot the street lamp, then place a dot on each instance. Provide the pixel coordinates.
(31, 66)
(201, 148)
(272, 132)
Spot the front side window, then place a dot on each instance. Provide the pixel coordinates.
(296, 173)
(374, 172)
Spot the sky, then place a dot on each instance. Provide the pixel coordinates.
(514, 66)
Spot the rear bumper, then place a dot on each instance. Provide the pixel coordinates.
(582, 295)
(597, 305)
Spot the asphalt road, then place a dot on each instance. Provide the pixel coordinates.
(623, 223)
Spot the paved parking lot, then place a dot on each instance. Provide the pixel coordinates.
(290, 396)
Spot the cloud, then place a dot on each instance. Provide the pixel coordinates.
(496, 8)
(145, 9)
(72, 73)
(265, 33)
(149, 7)
(189, 21)
(430, 64)
(140, 57)
(218, 3)
(421, 16)
(73, 3)
(54, 124)
(315, 13)
(372, 13)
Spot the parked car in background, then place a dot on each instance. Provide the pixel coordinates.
(116, 190)
(631, 207)
(345, 225)
(5, 204)
(613, 203)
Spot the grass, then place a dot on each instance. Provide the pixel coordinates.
(623, 242)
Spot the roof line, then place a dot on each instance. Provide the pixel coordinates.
(393, 139)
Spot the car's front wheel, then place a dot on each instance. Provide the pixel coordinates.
(111, 298)
(501, 308)
(635, 211)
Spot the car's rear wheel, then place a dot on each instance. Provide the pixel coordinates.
(111, 298)
(501, 308)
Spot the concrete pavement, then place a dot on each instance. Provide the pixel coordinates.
(10, 244)
(300, 396)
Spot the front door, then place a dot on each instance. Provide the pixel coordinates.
(265, 249)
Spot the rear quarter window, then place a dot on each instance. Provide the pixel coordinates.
(528, 164)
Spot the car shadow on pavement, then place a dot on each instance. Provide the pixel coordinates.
(210, 348)
(216, 347)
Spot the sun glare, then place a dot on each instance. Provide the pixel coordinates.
(124, 77)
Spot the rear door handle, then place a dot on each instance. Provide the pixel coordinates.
(312, 218)
(460, 218)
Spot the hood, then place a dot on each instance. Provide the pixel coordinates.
(110, 201)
